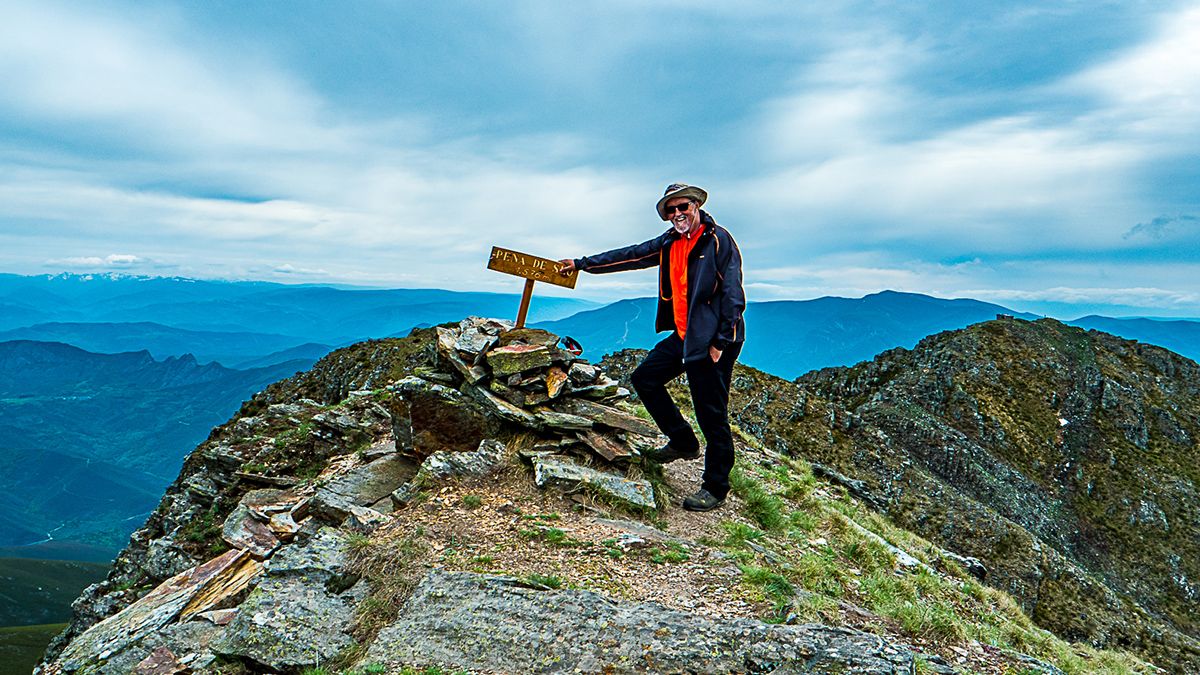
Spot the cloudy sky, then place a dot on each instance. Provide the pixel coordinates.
(1042, 155)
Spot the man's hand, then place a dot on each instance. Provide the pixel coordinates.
(714, 353)
(566, 266)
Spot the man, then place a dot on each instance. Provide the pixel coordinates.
(700, 300)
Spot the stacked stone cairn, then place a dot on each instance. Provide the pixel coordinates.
(521, 376)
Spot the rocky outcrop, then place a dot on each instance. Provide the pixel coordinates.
(533, 630)
(1061, 461)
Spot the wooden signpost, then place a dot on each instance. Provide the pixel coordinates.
(533, 269)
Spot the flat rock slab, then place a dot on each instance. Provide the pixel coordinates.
(606, 446)
(564, 474)
(608, 416)
(505, 410)
(496, 624)
(517, 358)
(559, 421)
(369, 483)
(190, 592)
(528, 336)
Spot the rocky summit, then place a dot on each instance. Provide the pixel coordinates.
(1011, 498)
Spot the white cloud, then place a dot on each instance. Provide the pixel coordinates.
(1152, 92)
(287, 270)
(1132, 297)
(143, 83)
(111, 261)
(857, 163)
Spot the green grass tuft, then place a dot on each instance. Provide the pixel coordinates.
(760, 505)
(544, 580)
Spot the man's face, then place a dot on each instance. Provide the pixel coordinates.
(683, 214)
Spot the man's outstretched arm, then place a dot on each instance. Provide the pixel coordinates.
(636, 257)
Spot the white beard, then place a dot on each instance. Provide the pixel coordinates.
(681, 223)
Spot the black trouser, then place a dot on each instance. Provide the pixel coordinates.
(709, 383)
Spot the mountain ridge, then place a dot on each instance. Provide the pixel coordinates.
(105, 432)
(805, 540)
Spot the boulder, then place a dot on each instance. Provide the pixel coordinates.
(321, 557)
(484, 623)
(484, 460)
(442, 418)
(583, 374)
(291, 623)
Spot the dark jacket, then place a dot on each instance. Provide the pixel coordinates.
(715, 296)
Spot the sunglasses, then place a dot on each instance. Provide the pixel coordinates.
(682, 208)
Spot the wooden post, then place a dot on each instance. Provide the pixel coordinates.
(525, 303)
(533, 269)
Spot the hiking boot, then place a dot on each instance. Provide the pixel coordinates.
(667, 454)
(703, 500)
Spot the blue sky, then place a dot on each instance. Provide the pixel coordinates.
(1038, 155)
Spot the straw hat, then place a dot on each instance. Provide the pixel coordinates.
(681, 190)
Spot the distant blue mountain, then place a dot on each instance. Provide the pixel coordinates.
(322, 314)
(1180, 336)
(791, 337)
(309, 351)
(228, 348)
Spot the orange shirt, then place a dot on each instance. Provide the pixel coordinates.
(679, 285)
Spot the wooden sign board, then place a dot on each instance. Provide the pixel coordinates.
(533, 269)
(530, 267)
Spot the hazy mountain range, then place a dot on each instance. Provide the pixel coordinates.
(789, 338)
(302, 313)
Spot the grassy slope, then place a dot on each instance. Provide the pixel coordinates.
(803, 550)
(21, 647)
(41, 591)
